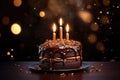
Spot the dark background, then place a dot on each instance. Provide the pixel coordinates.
(36, 29)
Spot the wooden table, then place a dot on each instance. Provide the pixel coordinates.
(98, 71)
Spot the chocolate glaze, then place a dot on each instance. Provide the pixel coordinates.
(54, 54)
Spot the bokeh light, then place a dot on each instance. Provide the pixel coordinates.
(85, 16)
(8, 53)
(5, 20)
(106, 2)
(94, 26)
(89, 6)
(12, 49)
(92, 38)
(17, 3)
(104, 19)
(12, 57)
(56, 7)
(100, 46)
(100, 12)
(98, 18)
(16, 29)
(42, 13)
(118, 7)
(107, 12)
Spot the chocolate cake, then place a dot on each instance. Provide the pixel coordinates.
(60, 54)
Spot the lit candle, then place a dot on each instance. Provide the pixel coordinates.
(54, 30)
(61, 29)
(67, 32)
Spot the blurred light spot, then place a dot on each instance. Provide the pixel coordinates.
(5, 20)
(34, 8)
(12, 49)
(57, 7)
(92, 38)
(42, 14)
(89, 6)
(17, 3)
(12, 57)
(112, 60)
(94, 26)
(113, 6)
(98, 18)
(105, 20)
(106, 2)
(117, 6)
(8, 53)
(100, 46)
(100, 12)
(94, 4)
(104, 58)
(107, 12)
(85, 16)
(110, 28)
(15, 28)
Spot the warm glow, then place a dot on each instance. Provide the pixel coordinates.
(54, 27)
(12, 49)
(104, 19)
(67, 28)
(42, 14)
(60, 21)
(12, 57)
(92, 38)
(94, 26)
(85, 16)
(15, 28)
(8, 53)
(106, 2)
(17, 3)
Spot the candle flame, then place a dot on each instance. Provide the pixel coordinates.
(60, 21)
(67, 28)
(54, 27)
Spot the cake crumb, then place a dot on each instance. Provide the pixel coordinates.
(92, 67)
(101, 64)
(72, 74)
(62, 74)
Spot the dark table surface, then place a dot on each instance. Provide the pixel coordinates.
(97, 71)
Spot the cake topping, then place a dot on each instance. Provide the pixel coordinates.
(59, 43)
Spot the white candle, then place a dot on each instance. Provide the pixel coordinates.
(67, 32)
(61, 29)
(54, 30)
